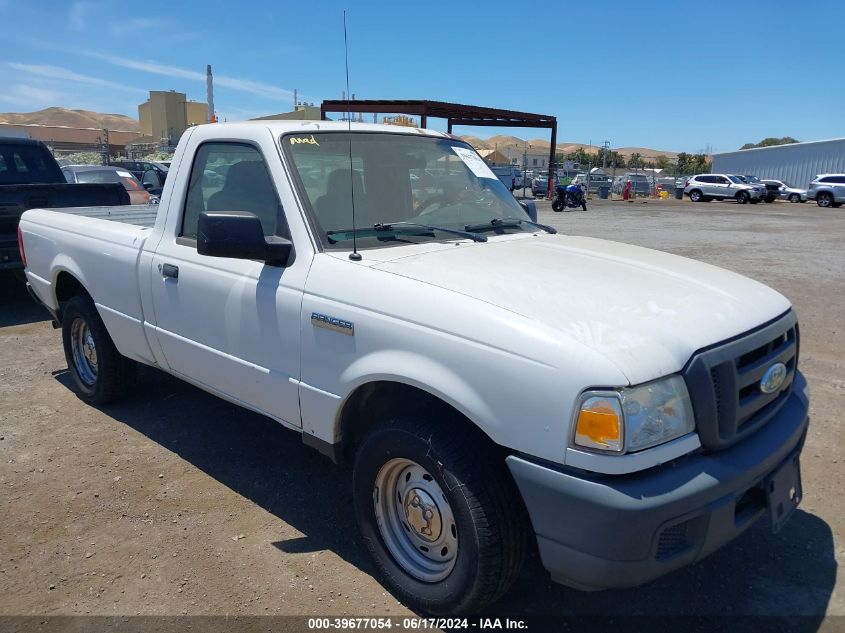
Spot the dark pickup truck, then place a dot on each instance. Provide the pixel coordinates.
(772, 190)
(31, 178)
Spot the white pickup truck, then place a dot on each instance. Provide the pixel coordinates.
(379, 291)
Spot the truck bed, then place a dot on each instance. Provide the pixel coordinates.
(140, 215)
(101, 248)
(17, 198)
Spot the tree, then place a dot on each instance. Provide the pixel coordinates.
(635, 160)
(683, 163)
(663, 162)
(699, 164)
(770, 141)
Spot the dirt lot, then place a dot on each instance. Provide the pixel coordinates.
(176, 502)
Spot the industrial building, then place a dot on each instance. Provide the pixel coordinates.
(302, 112)
(65, 140)
(167, 114)
(796, 163)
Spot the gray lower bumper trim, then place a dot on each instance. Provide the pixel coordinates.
(605, 532)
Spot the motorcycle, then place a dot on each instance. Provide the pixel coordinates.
(569, 197)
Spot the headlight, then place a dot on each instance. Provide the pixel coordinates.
(635, 418)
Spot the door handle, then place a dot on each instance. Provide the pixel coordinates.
(169, 270)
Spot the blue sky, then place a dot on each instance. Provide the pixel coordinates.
(675, 75)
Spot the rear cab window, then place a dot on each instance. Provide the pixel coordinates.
(27, 164)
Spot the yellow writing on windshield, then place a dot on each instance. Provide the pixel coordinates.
(297, 140)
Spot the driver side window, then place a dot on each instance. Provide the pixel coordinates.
(231, 177)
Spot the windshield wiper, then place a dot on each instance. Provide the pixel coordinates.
(504, 223)
(475, 237)
(380, 231)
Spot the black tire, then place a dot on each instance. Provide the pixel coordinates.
(489, 517)
(742, 197)
(794, 197)
(769, 200)
(557, 205)
(824, 199)
(115, 374)
(696, 196)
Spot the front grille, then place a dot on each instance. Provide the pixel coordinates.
(724, 382)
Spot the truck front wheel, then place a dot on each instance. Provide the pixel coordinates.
(100, 372)
(440, 515)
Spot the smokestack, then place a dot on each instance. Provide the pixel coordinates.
(209, 86)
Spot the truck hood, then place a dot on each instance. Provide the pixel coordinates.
(644, 310)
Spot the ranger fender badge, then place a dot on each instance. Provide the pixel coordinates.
(332, 323)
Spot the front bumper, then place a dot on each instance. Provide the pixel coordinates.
(622, 531)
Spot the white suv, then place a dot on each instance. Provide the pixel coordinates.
(828, 190)
(707, 187)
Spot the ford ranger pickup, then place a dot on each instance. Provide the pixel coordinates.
(496, 385)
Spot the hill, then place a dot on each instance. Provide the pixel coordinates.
(72, 118)
(565, 147)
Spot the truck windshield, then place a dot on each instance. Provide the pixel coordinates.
(395, 179)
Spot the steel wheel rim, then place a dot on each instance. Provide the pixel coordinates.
(415, 520)
(695, 196)
(83, 351)
(824, 201)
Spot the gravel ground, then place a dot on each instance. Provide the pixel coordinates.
(175, 502)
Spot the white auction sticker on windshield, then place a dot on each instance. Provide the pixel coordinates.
(474, 162)
(123, 174)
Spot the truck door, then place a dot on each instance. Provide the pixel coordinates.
(230, 325)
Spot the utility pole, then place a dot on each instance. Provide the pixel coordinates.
(524, 167)
(105, 148)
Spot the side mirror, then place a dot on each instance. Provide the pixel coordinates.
(239, 235)
(150, 180)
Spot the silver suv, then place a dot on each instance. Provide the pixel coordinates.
(828, 190)
(707, 187)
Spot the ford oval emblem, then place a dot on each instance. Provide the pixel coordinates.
(773, 378)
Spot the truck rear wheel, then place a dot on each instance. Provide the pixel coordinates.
(100, 372)
(440, 515)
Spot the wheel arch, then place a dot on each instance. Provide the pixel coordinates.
(376, 400)
(67, 283)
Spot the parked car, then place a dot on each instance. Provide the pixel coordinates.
(540, 184)
(707, 187)
(772, 190)
(788, 192)
(828, 190)
(485, 393)
(98, 174)
(140, 168)
(640, 184)
(30, 177)
(509, 175)
(592, 182)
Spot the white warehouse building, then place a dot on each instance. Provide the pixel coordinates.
(796, 164)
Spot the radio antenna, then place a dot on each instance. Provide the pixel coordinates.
(355, 256)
